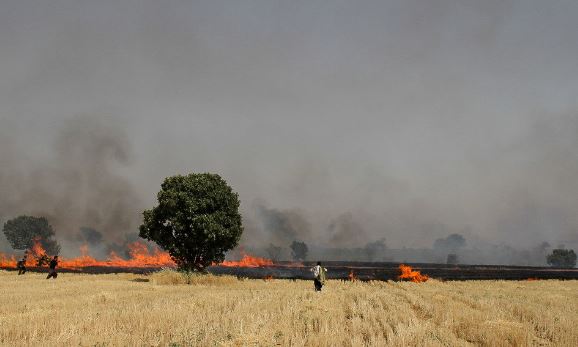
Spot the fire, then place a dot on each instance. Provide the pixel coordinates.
(351, 276)
(7, 261)
(407, 273)
(37, 251)
(248, 261)
(532, 279)
(140, 257)
(268, 278)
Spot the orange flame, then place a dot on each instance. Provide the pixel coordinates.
(37, 251)
(7, 261)
(268, 278)
(248, 261)
(407, 273)
(532, 279)
(140, 257)
(351, 276)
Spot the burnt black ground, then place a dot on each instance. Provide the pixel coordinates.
(366, 271)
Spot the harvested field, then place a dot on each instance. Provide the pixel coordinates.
(161, 309)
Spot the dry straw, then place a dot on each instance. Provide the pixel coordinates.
(163, 310)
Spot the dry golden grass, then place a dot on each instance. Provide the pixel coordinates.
(171, 277)
(123, 310)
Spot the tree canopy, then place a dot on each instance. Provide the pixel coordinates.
(196, 220)
(23, 230)
(565, 258)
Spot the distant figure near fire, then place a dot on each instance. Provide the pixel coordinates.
(21, 265)
(320, 275)
(52, 271)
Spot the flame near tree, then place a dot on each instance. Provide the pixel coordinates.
(140, 257)
(248, 261)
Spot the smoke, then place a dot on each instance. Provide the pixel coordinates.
(90, 236)
(345, 232)
(282, 227)
(76, 183)
(408, 120)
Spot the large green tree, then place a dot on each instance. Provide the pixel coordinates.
(197, 220)
(23, 230)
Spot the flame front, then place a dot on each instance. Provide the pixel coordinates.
(140, 257)
(407, 273)
(248, 261)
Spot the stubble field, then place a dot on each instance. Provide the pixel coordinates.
(162, 310)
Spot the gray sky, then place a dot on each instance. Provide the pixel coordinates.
(411, 119)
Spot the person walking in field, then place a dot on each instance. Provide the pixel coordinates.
(52, 268)
(320, 276)
(21, 265)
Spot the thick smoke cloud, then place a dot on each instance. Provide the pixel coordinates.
(353, 121)
(77, 184)
(283, 227)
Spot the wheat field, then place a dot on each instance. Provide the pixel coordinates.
(166, 309)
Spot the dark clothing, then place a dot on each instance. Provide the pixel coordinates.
(21, 266)
(318, 285)
(52, 272)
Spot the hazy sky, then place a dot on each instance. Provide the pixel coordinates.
(411, 119)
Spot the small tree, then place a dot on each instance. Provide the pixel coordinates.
(565, 258)
(23, 230)
(197, 220)
(299, 250)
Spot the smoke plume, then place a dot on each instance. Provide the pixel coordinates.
(354, 121)
(76, 184)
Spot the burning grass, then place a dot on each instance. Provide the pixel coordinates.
(128, 310)
(409, 274)
(140, 257)
(248, 261)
